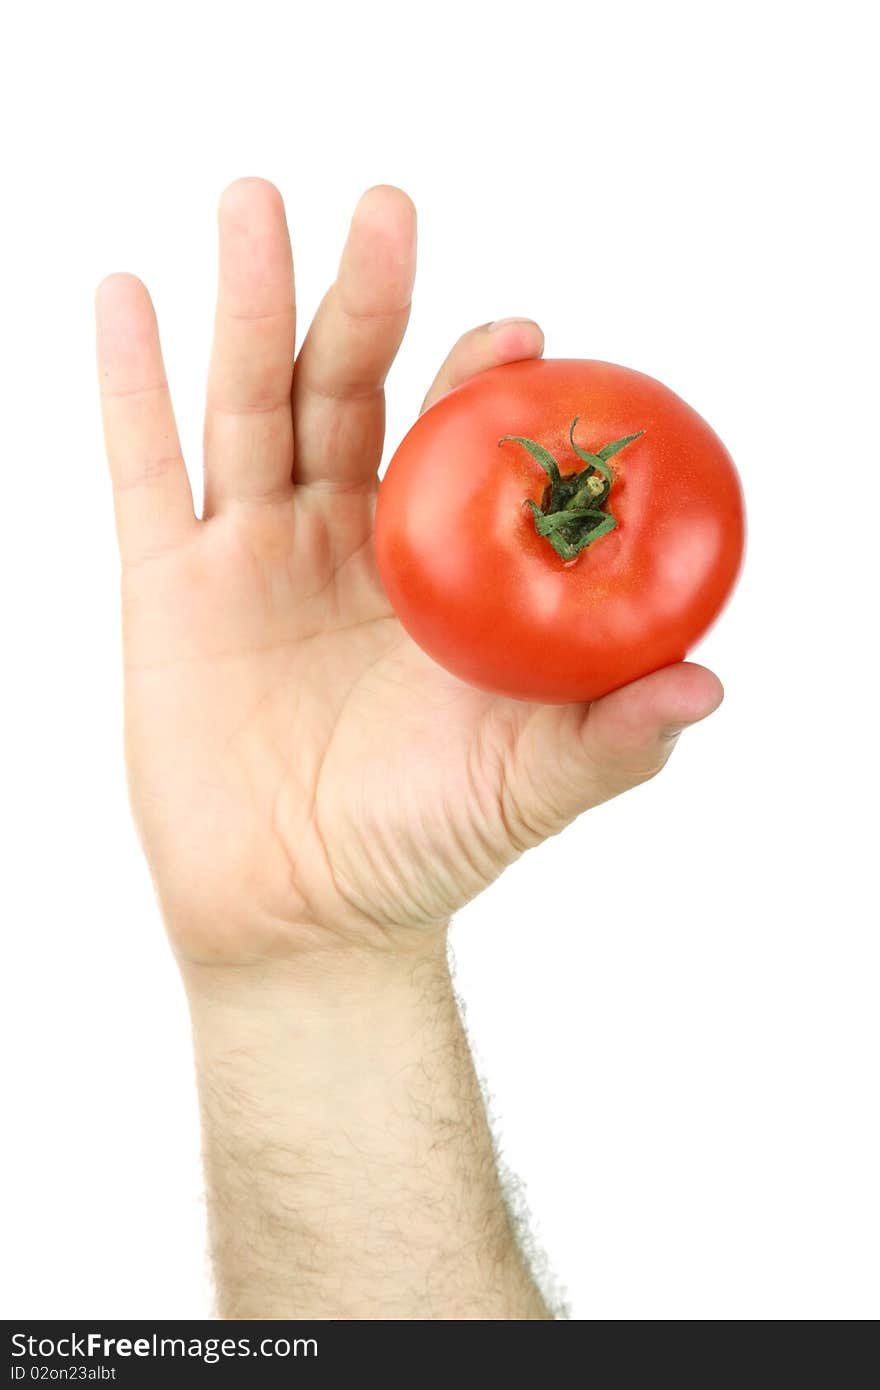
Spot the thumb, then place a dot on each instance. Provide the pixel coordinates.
(628, 735)
(574, 757)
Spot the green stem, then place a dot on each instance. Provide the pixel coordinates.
(574, 511)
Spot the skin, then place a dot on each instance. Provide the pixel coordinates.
(315, 797)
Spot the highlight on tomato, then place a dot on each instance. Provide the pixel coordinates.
(551, 530)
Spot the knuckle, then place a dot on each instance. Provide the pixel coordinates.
(146, 472)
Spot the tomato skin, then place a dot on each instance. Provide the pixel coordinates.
(490, 600)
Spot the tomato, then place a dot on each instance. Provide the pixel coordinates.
(551, 530)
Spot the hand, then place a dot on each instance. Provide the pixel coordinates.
(301, 774)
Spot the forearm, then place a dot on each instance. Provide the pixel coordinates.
(349, 1166)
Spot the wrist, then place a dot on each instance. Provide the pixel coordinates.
(334, 1014)
(301, 1049)
(317, 970)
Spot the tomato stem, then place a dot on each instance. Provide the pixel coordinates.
(573, 511)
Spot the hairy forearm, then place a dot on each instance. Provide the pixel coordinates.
(349, 1166)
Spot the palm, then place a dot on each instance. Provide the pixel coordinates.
(333, 773)
(298, 767)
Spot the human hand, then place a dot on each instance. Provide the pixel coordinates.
(302, 775)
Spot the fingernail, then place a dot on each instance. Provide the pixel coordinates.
(509, 323)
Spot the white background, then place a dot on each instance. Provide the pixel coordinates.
(682, 1046)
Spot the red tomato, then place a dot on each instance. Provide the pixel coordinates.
(551, 560)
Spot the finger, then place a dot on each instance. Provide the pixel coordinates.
(151, 491)
(490, 345)
(574, 757)
(338, 384)
(248, 428)
(629, 734)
